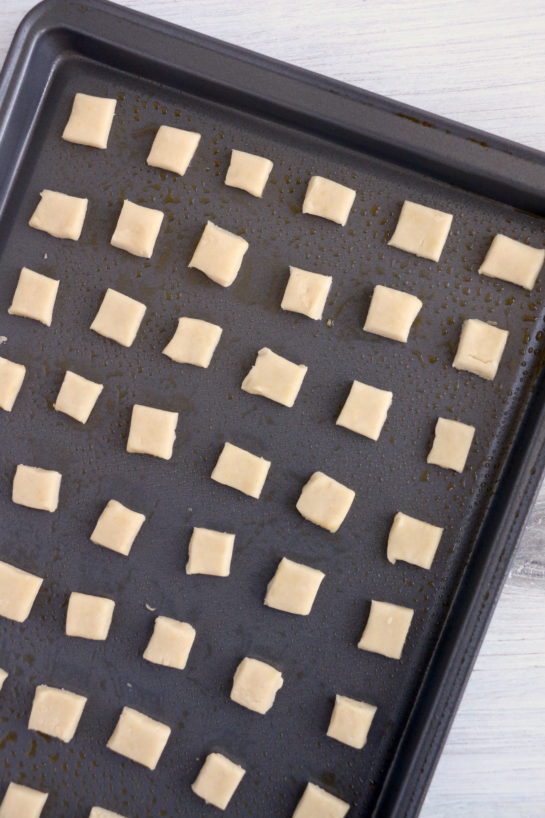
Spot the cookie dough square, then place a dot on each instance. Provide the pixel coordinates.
(275, 378)
(90, 121)
(22, 802)
(255, 685)
(325, 502)
(194, 342)
(365, 410)
(513, 261)
(293, 588)
(117, 527)
(306, 293)
(351, 721)
(451, 444)
(318, 803)
(219, 254)
(12, 376)
(56, 712)
(100, 812)
(60, 215)
(210, 552)
(152, 431)
(328, 199)
(392, 313)
(173, 149)
(88, 616)
(3, 676)
(413, 541)
(421, 231)
(36, 488)
(386, 629)
(480, 348)
(137, 229)
(18, 591)
(139, 737)
(241, 470)
(170, 643)
(217, 780)
(34, 297)
(77, 396)
(119, 317)
(248, 172)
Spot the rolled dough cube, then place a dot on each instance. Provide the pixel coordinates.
(36, 488)
(219, 254)
(317, 803)
(248, 172)
(12, 376)
(217, 780)
(451, 444)
(119, 317)
(480, 348)
(392, 313)
(351, 721)
(210, 552)
(77, 396)
(60, 215)
(173, 149)
(90, 121)
(324, 501)
(306, 293)
(139, 737)
(293, 588)
(100, 812)
(22, 802)
(328, 199)
(275, 378)
(137, 229)
(170, 643)
(365, 410)
(255, 685)
(56, 712)
(152, 431)
(18, 591)
(413, 540)
(3, 676)
(421, 230)
(513, 261)
(89, 617)
(34, 296)
(386, 629)
(194, 342)
(117, 527)
(241, 470)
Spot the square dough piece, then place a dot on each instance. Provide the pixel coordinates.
(421, 230)
(451, 444)
(328, 199)
(275, 378)
(293, 588)
(386, 629)
(90, 121)
(365, 410)
(56, 712)
(119, 317)
(255, 685)
(18, 591)
(77, 396)
(60, 215)
(89, 617)
(139, 737)
(100, 812)
(3, 676)
(325, 502)
(117, 527)
(241, 470)
(413, 541)
(152, 431)
(194, 342)
(217, 780)
(317, 803)
(210, 552)
(350, 721)
(170, 643)
(12, 376)
(248, 172)
(306, 293)
(480, 348)
(22, 802)
(219, 254)
(137, 229)
(36, 488)
(392, 313)
(512, 261)
(173, 149)
(34, 296)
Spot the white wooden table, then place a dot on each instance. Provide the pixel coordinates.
(481, 62)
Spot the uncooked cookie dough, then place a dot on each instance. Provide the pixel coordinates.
(413, 540)
(34, 296)
(248, 172)
(386, 629)
(12, 376)
(119, 317)
(100, 812)
(60, 215)
(451, 444)
(325, 502)
(89, 617)
(217, 780)
(170, 643)
(210, 552)
(241, 470)
(22, 802)
(3, 676)
(173, 149)
(318, 803)
(275, 378)
(219, 254)
(328, 199)
(36, 488)
(513, 261)
(90, 121)
(117, 527)
(18, 591)
(77, 396)
(365, 410)
(392, 313)
(306, 293)
(480, 348)
(194, 342)
(139, 737)
(255, 685)
(351, 721)
(293, 588)
(152, 431)
(421, 230)
(56, 712)
(137, 229)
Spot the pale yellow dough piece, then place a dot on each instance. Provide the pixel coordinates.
(56, 712)
(36, 488)
(421, 230)
(137, 229)
(18, 591)
(513, 261)
(210, 552)
(248, 172)
(170, 643)
(22, 802)
(89, 617)
(119, 317)
(392, 313)
(139, 737)
(365, 410)
(241, 470)
(306, 293)
(325, 502)
(219, 254)
(412, 540)
(90, 121)
(328, 199)
(318, 803)
(3, 676)
(255, 685)
(274, 377)
(293, 588)
(60, 215)
(480, 348)
(12, 376)
(386, 629)
(117, 527)
(194, 342)
(451, 444)
(173, 149)
(152, 431)
(77, 396)
(351, 721)
(100, 812)
(34, 297)
(217, 780)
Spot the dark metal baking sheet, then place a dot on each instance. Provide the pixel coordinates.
(306, 124)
